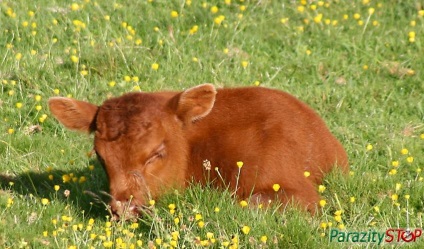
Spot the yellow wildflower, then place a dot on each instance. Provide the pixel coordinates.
(218, 20)
(155, 66)
(394, 197)
(243, 203)
(174, 14)
(201, 224)
(318, 18)
(284, 20)
(74, 59)
(18, 56)
(45, 201)
(75, 7)
(82, 179)
(338, 218)
(214, 9)
(66, 178)
(193, 30)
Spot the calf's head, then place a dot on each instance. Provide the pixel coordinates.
(140, 139)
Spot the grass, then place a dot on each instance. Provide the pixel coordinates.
(358, 63)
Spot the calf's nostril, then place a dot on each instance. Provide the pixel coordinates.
(124, 210)
(115, 217)
(116, 208)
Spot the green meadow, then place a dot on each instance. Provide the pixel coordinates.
(358, 63)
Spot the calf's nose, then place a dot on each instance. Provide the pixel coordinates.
(123, 210)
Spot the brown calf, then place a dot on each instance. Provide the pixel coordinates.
(152, 142)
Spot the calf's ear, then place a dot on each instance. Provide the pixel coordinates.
(74, 114)
(194, 103)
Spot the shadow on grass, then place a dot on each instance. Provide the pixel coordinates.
(85, 189)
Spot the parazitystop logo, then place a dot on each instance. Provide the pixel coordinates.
(391, 235)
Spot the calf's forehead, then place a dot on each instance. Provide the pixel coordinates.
(131, 111)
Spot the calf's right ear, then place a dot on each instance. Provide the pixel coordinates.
(194, 103)
(74, 114)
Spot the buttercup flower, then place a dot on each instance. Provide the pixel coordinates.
(45, 201)
(243, 203)
(276, 187)
(214, 9)
(198, 217)
(245, 229)
(74, 59)
(394, 197)
(174, 14)
(201, 224)
(75, 7)
(218, 20)
(155, 66)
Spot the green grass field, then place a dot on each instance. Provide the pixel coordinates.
(358, 63)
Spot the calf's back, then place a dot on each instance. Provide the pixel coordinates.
(276, 136)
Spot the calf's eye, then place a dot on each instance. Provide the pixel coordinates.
(158, 153)
(151, 159)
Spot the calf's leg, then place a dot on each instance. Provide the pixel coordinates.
(305, 196)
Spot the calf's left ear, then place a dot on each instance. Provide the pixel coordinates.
(194, 103)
